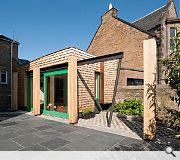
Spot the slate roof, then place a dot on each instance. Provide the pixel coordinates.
(22, 61)
(7, 39)
(151, 20)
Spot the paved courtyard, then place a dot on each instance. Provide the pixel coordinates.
(23, 132)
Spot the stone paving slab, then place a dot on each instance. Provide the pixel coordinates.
(84, 145)
(5, 130)
(104, 139)
(63, 149)
(54, 143)
(8, 135)
(48, 134)
(36, 147)
(8, 124)
(28, 140)
(25, 131)
(9, 145)
(73, 136)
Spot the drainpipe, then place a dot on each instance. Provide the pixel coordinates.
(11, 74)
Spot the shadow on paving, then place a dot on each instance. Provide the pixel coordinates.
(8, 115)
(165, 137)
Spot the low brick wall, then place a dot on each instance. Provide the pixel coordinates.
(163, 97)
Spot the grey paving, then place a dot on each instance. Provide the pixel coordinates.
(28, 140)
(23, 125)
(55, 143)
(48, 134)
(84, 145)
(28, 133)
(73, 136)
(36, 147)
(63, 149)
(65, 129)
(8, 136)
(9, 145)
(41, 128)
(103, 139)
(86, 131)
(8, 130)
(8, 124)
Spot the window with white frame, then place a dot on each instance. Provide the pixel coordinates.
(3, 77)
(172, 36)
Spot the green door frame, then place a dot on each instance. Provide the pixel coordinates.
(97, 85)
(29, 105)
(54, 113)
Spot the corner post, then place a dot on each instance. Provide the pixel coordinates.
(72, 89)
(150, 89)
(36, 91)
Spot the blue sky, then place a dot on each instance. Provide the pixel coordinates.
(44, 26)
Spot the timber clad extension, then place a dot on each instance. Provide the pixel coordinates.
(86, 88)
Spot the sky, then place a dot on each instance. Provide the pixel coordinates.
(45, 26)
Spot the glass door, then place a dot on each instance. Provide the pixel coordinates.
(55, 93)
(29, 93)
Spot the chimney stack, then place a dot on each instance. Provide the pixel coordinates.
(111, 13)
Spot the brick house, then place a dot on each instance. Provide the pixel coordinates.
(9, 63)
(115, 34)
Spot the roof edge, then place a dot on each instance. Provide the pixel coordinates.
(134, 26)
(149, 13)
(8, 39)
(60, 51)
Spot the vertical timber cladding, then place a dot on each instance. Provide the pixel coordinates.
(149, 89)
(102, 82)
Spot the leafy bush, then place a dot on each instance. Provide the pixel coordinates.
(173, 119)
(130, 107)
(88, 110)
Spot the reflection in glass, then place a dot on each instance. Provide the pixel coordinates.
(57, 93)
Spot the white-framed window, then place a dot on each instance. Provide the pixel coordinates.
(3, 77)
(173, 33)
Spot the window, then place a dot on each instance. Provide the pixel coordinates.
(134, 82)
(172, 36)
(3, 77)
(97, 85)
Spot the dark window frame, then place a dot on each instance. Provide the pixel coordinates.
(135, 81)
(6, 77)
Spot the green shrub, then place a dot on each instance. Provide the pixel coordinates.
(130, 107)
(88, 110)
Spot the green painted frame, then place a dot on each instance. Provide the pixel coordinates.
(54, 113)
(29, 106)
(97, 92)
